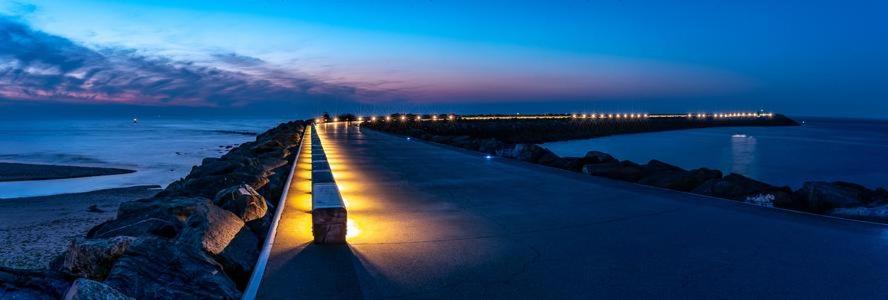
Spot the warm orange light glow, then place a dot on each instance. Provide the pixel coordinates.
(351, 229)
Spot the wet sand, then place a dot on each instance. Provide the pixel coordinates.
(35, 229)
(21, 172)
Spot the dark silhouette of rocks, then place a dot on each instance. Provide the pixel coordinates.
(197, 239)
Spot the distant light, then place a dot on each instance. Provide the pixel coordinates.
(335, 119)
(488, 156)
(388, 118)
(435, 117)
(451, 117)
(583, 116)
(403, 118)
(373, 119)
(573, 116)
(360, 119)
(408, 138)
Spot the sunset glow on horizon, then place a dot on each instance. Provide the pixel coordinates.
(234, 54)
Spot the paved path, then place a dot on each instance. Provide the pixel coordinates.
(436, 222)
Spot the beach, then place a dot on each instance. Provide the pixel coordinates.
(36, 229)
(53, 171)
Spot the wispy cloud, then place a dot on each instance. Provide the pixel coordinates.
(38, 66)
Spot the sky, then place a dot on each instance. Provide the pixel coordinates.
(817, 57)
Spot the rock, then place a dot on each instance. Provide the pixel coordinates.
(222, 234)
(596, 157)
(94, 209)
(85, 289)
(624, 170)
(489, 145)
(93, 258)
(134, 228)
(821, 196)
(873, 214)
(153, 268)
(655, 166)
(268, 146)
(134, 218)
(276, 184)
(208, 186)
(664, 175)
(243, 201)
(31, 284)
(530, 153)
(738, 187)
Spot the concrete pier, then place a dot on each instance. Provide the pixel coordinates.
(430, 221)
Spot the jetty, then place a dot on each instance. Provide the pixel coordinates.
(432, 221)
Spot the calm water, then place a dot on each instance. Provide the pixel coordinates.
(821, 149)
(161, 150)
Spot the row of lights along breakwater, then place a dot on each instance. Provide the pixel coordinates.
(593, 116)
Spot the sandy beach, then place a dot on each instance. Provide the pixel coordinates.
(34, 229)
(21, 172)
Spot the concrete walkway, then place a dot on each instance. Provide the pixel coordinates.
(434, 222)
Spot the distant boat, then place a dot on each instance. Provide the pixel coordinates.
(135, 120)
(739, 136)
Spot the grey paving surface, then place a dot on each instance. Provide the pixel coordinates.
(436, 222)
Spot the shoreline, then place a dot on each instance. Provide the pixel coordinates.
(35, 229)
(13, 171)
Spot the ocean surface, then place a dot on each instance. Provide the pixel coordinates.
(160, 150)
(821, 149)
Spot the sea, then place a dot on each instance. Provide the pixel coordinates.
(821, 149)
(161, 150)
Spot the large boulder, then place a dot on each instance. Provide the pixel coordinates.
(597, 157)
(277, 181)
(160, 216)
(664, 175)
(243, 201)
(821, 196)
(223, 235)
(741, 188)
(31, 284)
(153, 268)
(489, 145)
(134, 227)
(208, 186)
(93, 258)
(624, 170)
(85, 289)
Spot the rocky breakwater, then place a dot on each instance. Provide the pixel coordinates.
(197, 239)
(538, 131)
(841, 199)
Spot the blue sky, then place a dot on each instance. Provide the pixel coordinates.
(799, 57)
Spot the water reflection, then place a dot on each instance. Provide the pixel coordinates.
(742, 153)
